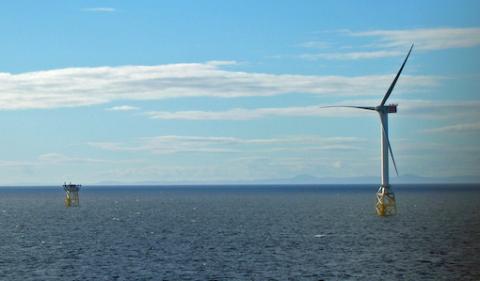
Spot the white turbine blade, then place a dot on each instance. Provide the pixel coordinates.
(389, 147)
(390, 89)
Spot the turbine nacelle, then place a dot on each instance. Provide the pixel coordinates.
(390, 108)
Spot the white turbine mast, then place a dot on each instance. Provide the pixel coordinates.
(385, 205)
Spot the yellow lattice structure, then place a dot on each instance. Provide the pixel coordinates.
(71, 195)
(386, 205)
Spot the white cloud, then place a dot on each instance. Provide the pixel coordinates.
(425, 39)
(337, 164)
(408, 108)
(10, 163)
(353, 55)
(467, 127)
(123, 108)
(57, 158)
(315, 44)
(100, 10)
(391, 43)
(73, 87)
(446, 109)
(199, 144)
(257, 113)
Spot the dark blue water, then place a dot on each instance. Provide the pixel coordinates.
(240, 233)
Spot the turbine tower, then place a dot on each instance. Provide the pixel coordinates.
(385, 205)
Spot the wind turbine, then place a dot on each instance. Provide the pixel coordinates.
(385, 205)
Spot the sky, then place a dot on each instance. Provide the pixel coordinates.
(231, 91)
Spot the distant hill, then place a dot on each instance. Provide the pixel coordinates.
(299, 179)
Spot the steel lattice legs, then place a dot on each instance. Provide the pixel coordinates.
(72, 199)
(386, 205)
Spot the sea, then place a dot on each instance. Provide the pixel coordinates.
(266, 232)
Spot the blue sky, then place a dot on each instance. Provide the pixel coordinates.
(205, 91)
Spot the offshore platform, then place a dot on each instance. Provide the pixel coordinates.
(71, 194)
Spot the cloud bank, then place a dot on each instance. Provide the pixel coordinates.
(73, 87)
